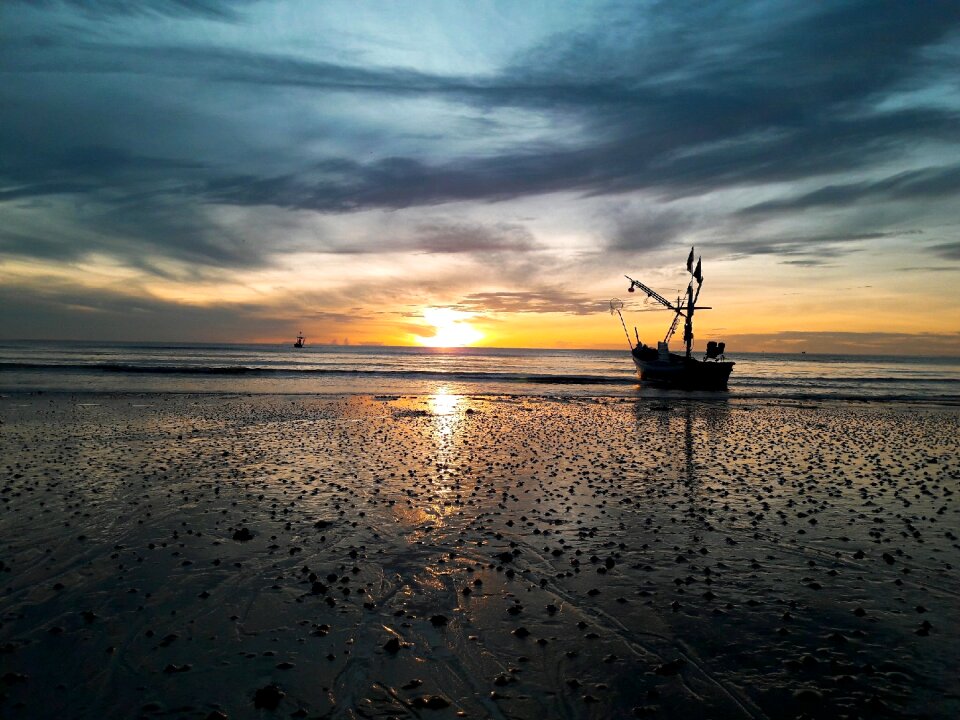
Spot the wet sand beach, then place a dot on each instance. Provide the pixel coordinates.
(211, 556)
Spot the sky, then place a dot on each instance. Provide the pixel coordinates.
(484, 173)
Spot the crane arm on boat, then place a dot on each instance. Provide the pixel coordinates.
(678, 308)
(651, 293)
(681, 310)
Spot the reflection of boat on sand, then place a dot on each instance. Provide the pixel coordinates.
(659, 365)
(300, 339)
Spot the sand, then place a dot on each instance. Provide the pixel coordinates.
(375, 557)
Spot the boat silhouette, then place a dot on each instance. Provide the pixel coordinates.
(658, 365)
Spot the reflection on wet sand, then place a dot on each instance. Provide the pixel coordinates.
(447, 416)
(440, 418)
(443, 402)
(693, 433)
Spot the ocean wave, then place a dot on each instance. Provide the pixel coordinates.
(254, 371)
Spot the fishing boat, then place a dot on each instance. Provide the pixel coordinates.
(300, 339)
(658, 365)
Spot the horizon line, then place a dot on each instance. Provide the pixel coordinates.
(454, 349)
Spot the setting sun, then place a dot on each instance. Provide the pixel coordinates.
(452, 329)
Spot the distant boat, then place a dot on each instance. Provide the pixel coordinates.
(300, 340)
(662, 367)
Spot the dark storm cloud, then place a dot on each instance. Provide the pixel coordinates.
(682, 100)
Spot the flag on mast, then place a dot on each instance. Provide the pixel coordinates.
(697, 274)
(690, 261)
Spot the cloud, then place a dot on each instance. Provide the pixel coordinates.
(70, 312)
(443, 238)
(807, 262)
(926, 183)
(94, 170)
(338, 318)
(214, 9)
(948, 250)
(531, 301)
(820, 246)
(142, 233)
(650, 228)
(434, 237)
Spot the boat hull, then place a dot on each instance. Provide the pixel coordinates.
(684, 372)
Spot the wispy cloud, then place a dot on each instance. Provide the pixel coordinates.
(218, 9)
(547, 300)
(471, 238)
(927, 183)
(948, 250)
(821, 245)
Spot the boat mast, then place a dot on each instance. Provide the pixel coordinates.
(695, 274)
(688, 325)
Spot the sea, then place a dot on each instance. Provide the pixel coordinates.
(88, 367)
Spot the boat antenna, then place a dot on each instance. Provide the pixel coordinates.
(616, 305)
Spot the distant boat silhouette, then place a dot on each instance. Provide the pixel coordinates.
(660, 366)
(300, 340)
